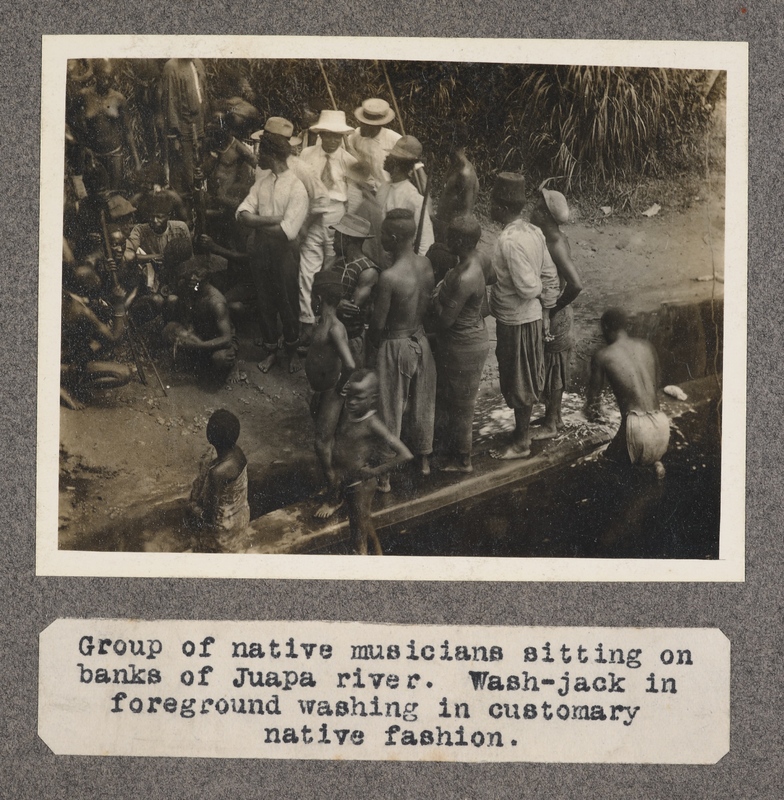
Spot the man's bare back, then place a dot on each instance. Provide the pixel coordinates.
(404, 292)
(631, 368)
(459, 193)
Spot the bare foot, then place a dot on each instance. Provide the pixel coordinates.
(295, 365)
(384, 484)
(69, 401)
(457, 465)
(513, 451)
(424, 465)
(326, 510)
(235, 376)
(268, 363)
(546, 432)
(659, 469)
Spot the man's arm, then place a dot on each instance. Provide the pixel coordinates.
(524, 273)
(402, 453)
(222, 323)
(450, 301)
(367, 281)
(595, 386)
(339, 339)
(560, 254)
(247, 214)
(380, 309)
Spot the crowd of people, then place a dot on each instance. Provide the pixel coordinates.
(321, 238)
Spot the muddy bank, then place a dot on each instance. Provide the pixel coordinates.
(134, 451)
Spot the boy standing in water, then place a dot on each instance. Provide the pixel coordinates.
(328, 364)
(219, 497)
(360, 439)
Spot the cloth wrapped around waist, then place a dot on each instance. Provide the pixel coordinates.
(647, 436)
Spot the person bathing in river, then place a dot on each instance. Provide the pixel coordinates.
(328, 365)
(463, 342)
(360, 441)
(548, 213)
(219, 497)
(631, 367)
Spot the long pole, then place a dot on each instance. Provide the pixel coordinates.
(147, 355)
(116, 282)
(421, 225)
(417, 177)
(329, 89)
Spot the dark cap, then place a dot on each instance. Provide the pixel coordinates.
(509, 188)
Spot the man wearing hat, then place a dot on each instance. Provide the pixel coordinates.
(399, 192)
(526, 283)
(331, 163)
(275, 209)
(358, 276)
(371, 142)
(550, 211)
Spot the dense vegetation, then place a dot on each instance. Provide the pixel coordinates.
(597, 130)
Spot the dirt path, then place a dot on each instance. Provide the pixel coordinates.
(135, 449)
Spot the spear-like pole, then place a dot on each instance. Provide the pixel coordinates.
(329, 88)
(417, 177)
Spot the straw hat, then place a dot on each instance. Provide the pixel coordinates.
(556, 205)
(119, 207)
(374, 111)
(331, 121)
(407, 148)
(278, 125)
(353, 225)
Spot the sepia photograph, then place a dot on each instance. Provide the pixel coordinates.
(464, 312)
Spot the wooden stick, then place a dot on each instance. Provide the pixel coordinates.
(326, 80)
(147, 355)
(417, 177)
(421, 225)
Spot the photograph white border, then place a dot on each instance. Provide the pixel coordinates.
(729, 56)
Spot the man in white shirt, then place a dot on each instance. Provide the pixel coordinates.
(371, 142)
(399, 192)
(526, 284)
(276, 207)
(331, 163)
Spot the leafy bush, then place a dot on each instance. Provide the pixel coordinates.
(598, 130)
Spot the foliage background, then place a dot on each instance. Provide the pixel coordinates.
(605, 134)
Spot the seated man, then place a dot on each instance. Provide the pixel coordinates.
(632, 369)
(146, 247)
(87, 342)
(203, 332)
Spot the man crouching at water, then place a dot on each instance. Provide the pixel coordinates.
(632, 369)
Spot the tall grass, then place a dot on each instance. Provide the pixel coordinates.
(598, 130)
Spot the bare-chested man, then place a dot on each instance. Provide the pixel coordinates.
(204, 332)
(87, 341)
(405, 365)
(632, 369)
(550, 211)
(328, 365)
(104, 123)
(461, 186)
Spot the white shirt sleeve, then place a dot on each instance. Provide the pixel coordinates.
(296, 210)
